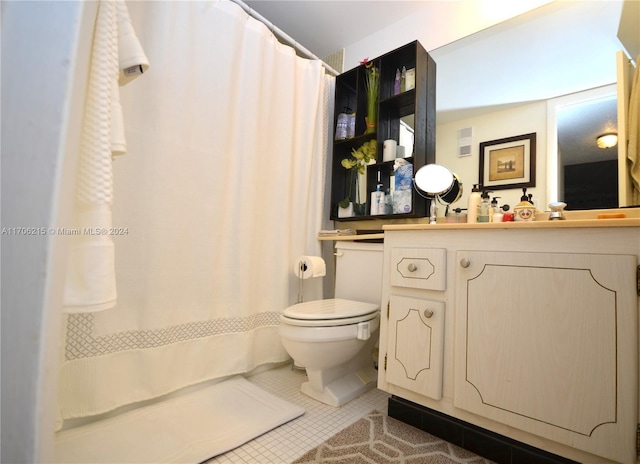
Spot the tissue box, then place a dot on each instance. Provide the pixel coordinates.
(404, 177)
(401, 201)
(403, 183)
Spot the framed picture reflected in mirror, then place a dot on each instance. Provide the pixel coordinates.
(508, 163)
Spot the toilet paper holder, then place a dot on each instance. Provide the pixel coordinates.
(305, 268)
(302, 267)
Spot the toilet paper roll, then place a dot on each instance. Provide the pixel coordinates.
(389, 150)
(309, 266)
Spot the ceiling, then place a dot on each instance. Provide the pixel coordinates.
(553, 55)
(326, 26)
(580, 126)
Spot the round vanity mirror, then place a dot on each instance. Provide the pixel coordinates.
(434, 180)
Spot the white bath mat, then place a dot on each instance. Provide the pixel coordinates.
(187, 429)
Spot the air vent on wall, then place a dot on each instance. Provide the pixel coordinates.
(465, 141)
(336, 60)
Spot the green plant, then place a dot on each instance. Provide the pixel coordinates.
(372, 85)
(356, 164)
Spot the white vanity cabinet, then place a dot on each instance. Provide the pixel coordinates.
(415, 326)
(529, 333)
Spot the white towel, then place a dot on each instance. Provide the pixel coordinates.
(132, 62)
(90, 280)
(131, 57)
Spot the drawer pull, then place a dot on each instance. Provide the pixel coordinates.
(428, 313)
(465, 263)
(412, 267)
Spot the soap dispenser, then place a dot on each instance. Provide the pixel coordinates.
(472, 206)
(496, 211)
(484, 208)
(524, 211)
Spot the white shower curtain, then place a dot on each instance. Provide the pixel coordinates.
(221, 189)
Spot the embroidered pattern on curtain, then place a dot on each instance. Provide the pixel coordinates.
(83, 343)
(221, 190)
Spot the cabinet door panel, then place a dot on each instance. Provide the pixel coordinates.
(539, 344)
(415, 347)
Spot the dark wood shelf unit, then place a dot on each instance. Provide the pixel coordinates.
(419, 101)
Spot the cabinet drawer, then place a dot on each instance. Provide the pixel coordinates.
(419, 268)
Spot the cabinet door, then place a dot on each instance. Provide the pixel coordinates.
(548, 343)
(415, 345)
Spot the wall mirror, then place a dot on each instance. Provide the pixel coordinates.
(556, 50)
(587, 170)
(406, 134)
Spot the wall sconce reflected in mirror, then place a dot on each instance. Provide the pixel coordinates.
(607, 140)
(434, 181)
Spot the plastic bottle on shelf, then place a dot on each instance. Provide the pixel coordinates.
(388, 203)
(342, 125)
(377, 201)
(351, 128)
(472, 206)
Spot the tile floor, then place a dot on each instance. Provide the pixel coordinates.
(291, 440)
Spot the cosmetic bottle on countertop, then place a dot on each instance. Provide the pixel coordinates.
(524, 211)
(496, 211)
(457, 216)
(484, 208)
(472, 205)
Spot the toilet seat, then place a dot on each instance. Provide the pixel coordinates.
(328, 313)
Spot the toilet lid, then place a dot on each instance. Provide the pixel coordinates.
(323, 310)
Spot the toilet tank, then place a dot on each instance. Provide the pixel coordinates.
(359, 271)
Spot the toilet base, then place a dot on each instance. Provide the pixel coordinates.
(343, 389)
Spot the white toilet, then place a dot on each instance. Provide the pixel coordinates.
(334, 338)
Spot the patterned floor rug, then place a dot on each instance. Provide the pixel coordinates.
(379, 439)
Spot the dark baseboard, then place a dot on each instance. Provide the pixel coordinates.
(490, 445)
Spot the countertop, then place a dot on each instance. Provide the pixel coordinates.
(574, 220)
(557, 224)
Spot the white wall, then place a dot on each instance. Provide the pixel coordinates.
(39, 118)
(439, 24)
